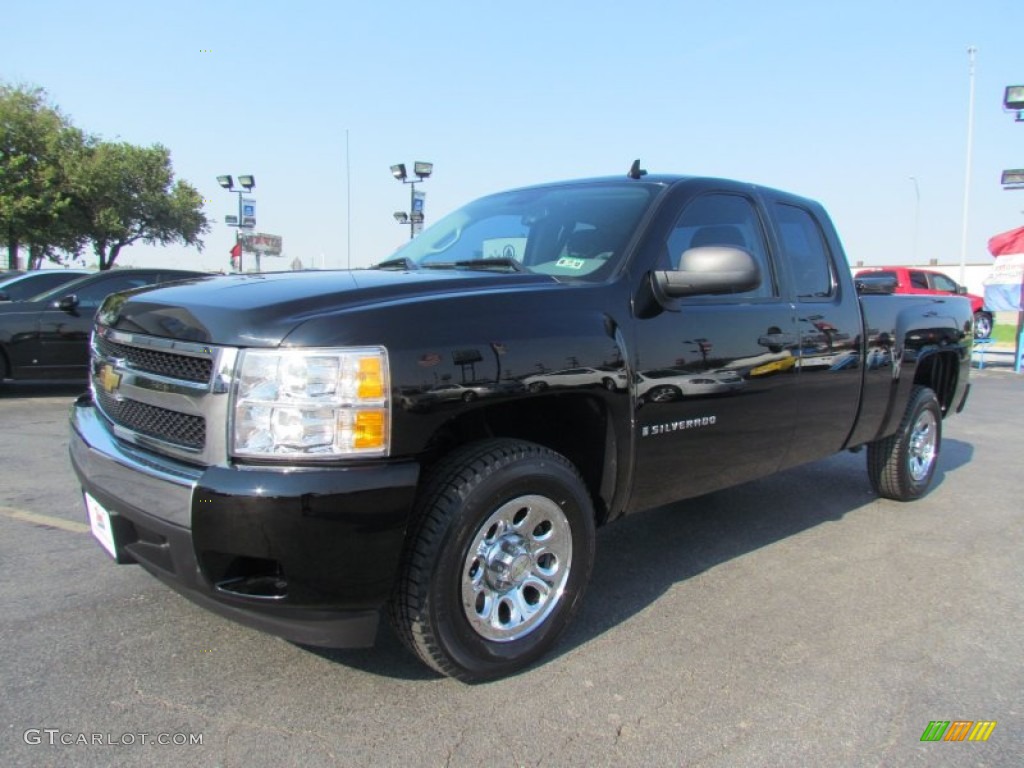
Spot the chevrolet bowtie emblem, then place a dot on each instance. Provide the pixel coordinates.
(109, 379)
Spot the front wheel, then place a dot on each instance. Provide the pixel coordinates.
(497, 560)
(902, 465)
(982, 325)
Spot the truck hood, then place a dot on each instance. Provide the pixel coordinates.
(261, 310)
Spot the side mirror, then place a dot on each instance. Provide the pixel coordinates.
(710, 270)
(68, 303)
(961, 290)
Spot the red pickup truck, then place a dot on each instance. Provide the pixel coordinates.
(926, 281)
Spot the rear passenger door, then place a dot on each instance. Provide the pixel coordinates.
(828, 321)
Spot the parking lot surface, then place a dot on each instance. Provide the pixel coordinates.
(794, 621)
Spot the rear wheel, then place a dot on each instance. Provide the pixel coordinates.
(982, 325)
(497, 560)
(902, 466)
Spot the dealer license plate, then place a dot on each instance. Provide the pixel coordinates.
(99, 521)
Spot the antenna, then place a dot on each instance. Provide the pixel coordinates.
(635, 171)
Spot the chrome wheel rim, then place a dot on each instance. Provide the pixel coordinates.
(924, 438)
(516, 569)
(662, 394)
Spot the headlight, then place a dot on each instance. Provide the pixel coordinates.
(315, 403)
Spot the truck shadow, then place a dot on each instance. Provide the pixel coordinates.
(643, 556)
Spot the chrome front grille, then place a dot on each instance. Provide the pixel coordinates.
(166, 395)
(153, 421)
(176, 366)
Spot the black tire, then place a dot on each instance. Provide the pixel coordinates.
(609, 384)
(538, 386)
(982, 325)
(466, 565)
(468, 397)
(901, 466)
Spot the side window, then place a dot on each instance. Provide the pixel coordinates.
(805, 250)
(723, 219)
(918, 280)
(943, 283)
(94, 295)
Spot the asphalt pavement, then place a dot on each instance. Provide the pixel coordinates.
(793, 621)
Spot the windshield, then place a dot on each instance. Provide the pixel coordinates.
(574, 231)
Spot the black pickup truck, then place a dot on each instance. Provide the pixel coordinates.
(440, 435)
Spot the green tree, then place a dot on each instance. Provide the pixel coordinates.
(125, 194)
(37, 144)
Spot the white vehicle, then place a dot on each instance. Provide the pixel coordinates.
(577, 377)
(664, 385)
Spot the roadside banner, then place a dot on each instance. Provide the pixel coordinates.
(1004, 286)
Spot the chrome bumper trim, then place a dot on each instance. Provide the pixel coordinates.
(124, 473)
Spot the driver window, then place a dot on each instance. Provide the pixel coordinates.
(94, 295)
(943, 283)
(723, 219)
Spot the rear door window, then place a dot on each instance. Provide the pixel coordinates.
(806, 252)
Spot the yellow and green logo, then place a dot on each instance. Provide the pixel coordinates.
(958, 730)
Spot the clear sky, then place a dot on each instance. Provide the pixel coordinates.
(842, 102)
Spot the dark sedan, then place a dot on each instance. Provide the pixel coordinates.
(47, 337)
(24, 286)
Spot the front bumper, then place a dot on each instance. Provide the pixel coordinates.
(306, 554)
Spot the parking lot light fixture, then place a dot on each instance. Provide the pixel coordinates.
(247, 182)
(1013, 98)
(414, 217)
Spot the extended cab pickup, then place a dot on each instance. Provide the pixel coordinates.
(914, 280)
(439, 436)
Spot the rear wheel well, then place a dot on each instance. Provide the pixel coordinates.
(939, 372)
(576, 426)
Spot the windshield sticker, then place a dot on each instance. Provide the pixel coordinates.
(570, 263)
(675, 426)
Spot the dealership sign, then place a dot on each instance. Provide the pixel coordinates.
(261, 243)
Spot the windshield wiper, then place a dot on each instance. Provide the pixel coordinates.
(400, 263)
(501, 263)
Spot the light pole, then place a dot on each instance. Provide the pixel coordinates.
(414, 217)
(971, 51)
(242, 220)
(917, 214)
